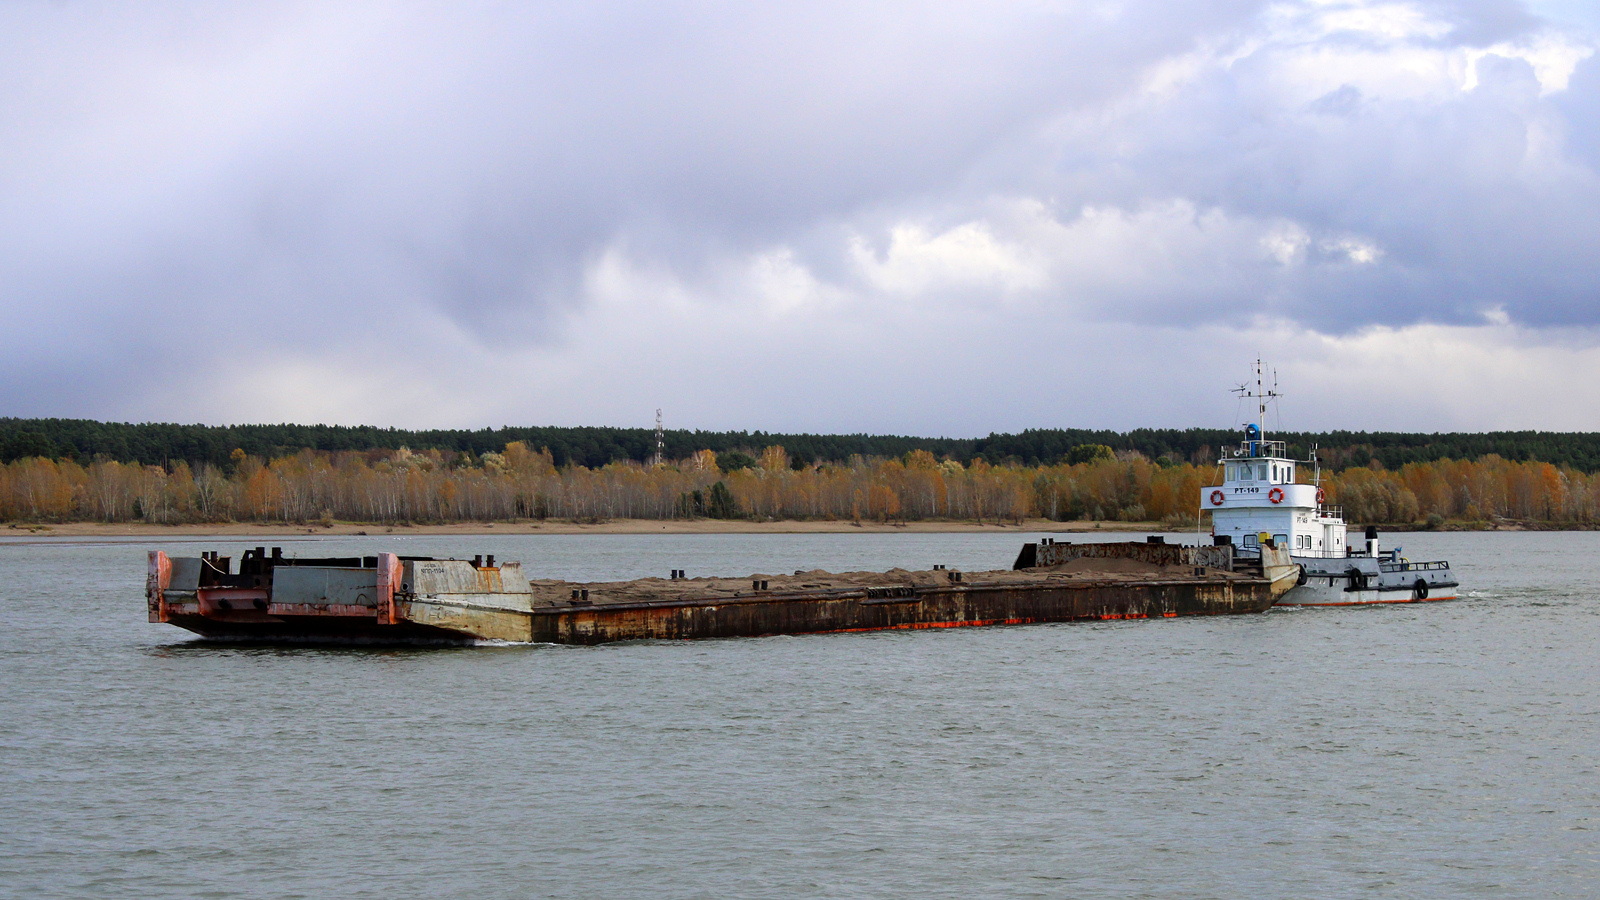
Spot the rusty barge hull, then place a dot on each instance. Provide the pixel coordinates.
(299, 629)
(388, 599)
(952, 607)
(434, 622)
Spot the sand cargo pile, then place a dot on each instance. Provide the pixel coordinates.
(389, 598)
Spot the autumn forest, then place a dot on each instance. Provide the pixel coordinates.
(520, 481)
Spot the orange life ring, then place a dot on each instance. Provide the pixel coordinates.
(1321, 495)
(1275, 495)
(1216, 498)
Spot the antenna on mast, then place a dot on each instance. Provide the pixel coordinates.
(1262, 395)
(661, 444)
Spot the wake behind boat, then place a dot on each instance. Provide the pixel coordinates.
(1261, 501)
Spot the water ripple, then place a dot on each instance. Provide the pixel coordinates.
(1438, 750)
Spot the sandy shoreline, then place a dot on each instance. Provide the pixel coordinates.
(616, 526)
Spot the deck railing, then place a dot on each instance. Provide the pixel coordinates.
(1414, 567)
(1263, 450)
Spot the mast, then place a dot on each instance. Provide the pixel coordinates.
(1261, 404)
(1262, 396)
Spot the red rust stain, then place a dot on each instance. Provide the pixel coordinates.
(917, 626)
(156, 584)
(388, 576)
(976, 623)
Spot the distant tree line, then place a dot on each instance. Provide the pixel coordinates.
(1092, 483)
(85, 440)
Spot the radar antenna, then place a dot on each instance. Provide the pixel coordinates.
(1262, 395)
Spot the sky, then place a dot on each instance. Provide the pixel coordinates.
(941, 219)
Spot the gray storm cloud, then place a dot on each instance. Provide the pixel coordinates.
(304, 211)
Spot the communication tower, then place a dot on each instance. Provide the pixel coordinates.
(661, 444)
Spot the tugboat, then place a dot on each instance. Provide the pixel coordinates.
(1262, 502)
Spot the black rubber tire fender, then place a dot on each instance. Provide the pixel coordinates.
(1303, 577)
(1421, 589)
(1358, 579)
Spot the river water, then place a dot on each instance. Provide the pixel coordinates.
(1436, 750)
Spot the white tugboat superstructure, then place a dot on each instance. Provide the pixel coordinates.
(1262, 500)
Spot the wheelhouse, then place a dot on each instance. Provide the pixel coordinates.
(1266, 494)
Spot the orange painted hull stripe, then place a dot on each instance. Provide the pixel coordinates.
(973, 623)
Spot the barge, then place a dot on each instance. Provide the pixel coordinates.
(387, 598)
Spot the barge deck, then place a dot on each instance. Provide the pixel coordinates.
(391, 599)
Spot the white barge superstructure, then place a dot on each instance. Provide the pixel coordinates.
(1263, 500)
